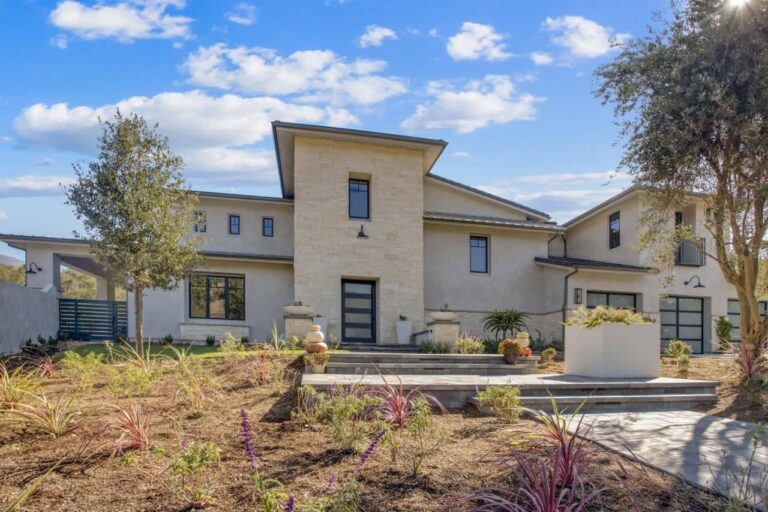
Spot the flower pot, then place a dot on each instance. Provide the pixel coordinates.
(510, 357)
(314, 341)
(316, 368)
(404, 330)
(297, 309)
(613, 350)
(443, 316)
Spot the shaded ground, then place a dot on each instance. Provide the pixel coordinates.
(302, 458)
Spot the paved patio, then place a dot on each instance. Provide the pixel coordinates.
(706, 451)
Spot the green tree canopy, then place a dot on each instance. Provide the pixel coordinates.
(693, 99)
(136, 209)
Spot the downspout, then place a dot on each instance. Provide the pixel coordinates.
(565, 299)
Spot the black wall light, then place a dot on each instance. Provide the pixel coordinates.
(361, 233)
(698, 282)
(34, 268)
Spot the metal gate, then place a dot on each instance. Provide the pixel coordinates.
(93, 320)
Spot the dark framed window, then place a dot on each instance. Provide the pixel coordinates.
(217, 297)
(200, 222)
(267, 226)
(359, 199)
(612, 299)
(234, 224)
(682, 318)
(614, 230)
(734, 316)
(478, 254)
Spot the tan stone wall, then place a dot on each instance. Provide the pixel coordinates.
(327, 248)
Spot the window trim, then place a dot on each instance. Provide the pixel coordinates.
(264, 227)
(487, 254)
(367, 198)
(198, 214)
(207, 316)
(611, 243)
(229, 224)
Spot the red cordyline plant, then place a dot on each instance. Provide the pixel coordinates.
(397, 405)
(133, 425)
(45, 367)
(750, 365)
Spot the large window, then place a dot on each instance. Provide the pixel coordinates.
(267, 226)
(219, 297)
(616, 300)
(478, 254)
(614, 230)
(200, 222)
(359, 199)
(234, 224)
(734, 315)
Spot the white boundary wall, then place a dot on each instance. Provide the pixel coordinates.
(26, 313)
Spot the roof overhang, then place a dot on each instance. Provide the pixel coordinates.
(242, 197)
(592, 266)
(496, 222)
(241, 256)
(284, 135)
(22, 241)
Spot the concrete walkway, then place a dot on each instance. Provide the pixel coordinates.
(706, 451)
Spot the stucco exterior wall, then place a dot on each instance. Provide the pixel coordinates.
(26, 313)
(443, 197)
(268, 287)
(327, 248)
(250, 239)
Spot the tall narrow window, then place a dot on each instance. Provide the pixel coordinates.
(678, 218)
(267, 226)
(234, 224)
(614, 230)
(478, 254)
(200, 222)
(359, 200)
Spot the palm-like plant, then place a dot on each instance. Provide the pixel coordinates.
(53, 417)
(504, 321)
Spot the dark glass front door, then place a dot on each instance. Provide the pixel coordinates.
(358, 311)
(682, 318)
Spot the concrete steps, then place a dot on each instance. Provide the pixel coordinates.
(617, 401)
(358, 363)
(375, 347)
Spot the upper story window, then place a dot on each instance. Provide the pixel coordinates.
(221, 297)
(478, 254)
(234, 224)
(267, 226)
(359, 199)
(200, 222)
(614, 230)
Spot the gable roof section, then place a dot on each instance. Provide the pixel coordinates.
(284, 135)
(597, 209)
(487, 195)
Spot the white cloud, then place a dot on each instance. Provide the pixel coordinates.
(375, 35)
(125, 21)
(583, 38)
(461, 154)
(3, 215)
(45, 162)
(215, 134)
(243, 14)
(492, 100)
(310, 75)
(34, 185)
(541, 58)
(5, 138)
(433, 32)
(477, 41)
(60, 41)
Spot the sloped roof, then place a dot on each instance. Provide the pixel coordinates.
(462, 218)
(592, 264)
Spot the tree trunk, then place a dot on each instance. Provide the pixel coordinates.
(138, 302)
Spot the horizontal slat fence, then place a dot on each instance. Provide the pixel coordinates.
(93, 320)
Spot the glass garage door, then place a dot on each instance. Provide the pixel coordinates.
(682, 318)
(358, 311)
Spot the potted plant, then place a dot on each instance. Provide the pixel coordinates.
(505, 321)
(404, 329)
(315, 361)
(444, 315)
(511, 349)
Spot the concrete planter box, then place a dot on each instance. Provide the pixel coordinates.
(613, 350)
(404, 330)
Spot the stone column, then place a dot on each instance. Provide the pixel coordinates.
(296, 325)
(445, 331)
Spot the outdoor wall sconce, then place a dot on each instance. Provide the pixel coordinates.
(34, 268)
(361, 233)
(698, 282)
(577, 295)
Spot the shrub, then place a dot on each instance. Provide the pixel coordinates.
(333, 342)
(491, 346)
(505, 321)
(469, 345)
(316, 358)
(231, 345)
(81, 368)
(245, 341)
(591, 318)
(680, 351)
(503, 400)
(397, 407)
(210, 340)
(144, 361)
(308, 405)
(168, 339)
(295, 343)
(45, 367)
(548, 354)
(435, 347)
(193, 378)
(189, 465)
(133, 425)
(128, 380)
(270, 494)
(15, 385)
(418, 440)
(54, 418)
(723, 329)
(512, 346)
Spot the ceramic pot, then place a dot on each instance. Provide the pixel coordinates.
(443, 316)
(510, 357)
(316, 368)
(297, 309)
(315, 340)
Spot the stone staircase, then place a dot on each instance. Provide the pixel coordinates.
(415, 363)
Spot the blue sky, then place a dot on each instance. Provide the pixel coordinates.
(507, 83)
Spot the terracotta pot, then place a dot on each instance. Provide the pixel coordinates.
(510, 357)
(314, 341)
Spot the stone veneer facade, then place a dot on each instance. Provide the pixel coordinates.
(327, 248)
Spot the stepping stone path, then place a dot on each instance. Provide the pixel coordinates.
(706, 451)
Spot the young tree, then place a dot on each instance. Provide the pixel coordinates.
(137, 210)
(693, 98)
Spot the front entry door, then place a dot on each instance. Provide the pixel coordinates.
(682, 318)
(358, 311)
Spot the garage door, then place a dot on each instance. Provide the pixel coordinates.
(682, 318)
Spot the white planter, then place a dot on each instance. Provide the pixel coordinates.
(613, 350)
(294, 309)
(404, 330)
(444, 316)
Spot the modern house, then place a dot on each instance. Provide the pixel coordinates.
(365, 233)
